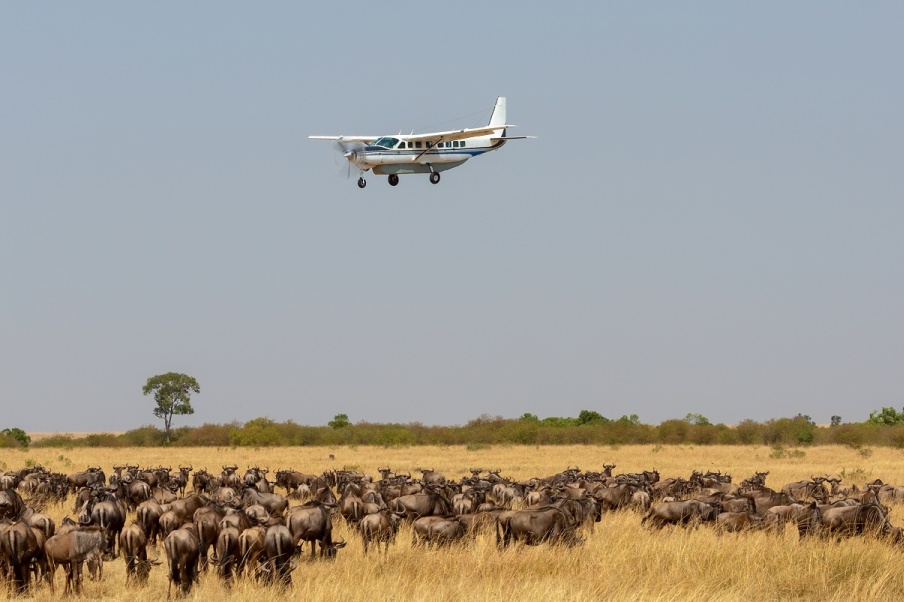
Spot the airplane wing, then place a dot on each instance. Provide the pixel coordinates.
(346, 138)
(457, 134)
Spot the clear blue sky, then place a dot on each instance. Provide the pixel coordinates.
(709, 221)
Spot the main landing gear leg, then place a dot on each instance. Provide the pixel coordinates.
(362, 182)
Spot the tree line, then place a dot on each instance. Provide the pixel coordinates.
(589, 427)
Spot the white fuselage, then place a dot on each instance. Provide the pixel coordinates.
(398, 155)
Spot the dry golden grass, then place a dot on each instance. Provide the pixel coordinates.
(619, 560)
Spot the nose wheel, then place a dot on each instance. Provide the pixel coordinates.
(362, 182)
(393, 179)
(434, 177)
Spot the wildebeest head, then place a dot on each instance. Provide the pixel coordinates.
(330, 549)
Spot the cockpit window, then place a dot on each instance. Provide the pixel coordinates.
(386, 142)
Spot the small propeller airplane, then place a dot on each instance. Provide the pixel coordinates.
(431, 153)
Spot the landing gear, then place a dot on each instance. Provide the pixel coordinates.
(362, 182)
(393, 179)
(434, 177)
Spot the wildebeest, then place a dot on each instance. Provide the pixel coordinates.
(148, 516)
(133, 543)
(535, 526)
(274, 503)
(806, 517)
(207, 519)
(11, 505)
(416, 505)
(86, 478)
(71, 547)
(802, 490)
(438, 530)
(279, 548)
(110, 515)
(680, 513)
(251, 548)
(378, 527)
(766, 498)
(20, 545)
(312, 522)
(855, 520)
(182, 552)
(733, 522)
(227, 552)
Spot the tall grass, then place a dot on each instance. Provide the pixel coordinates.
(619, 560)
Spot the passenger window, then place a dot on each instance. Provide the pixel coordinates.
(429, 144)
(455, 144)
(417, 145)
(462, 143)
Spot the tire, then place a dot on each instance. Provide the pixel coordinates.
(362, 182)
(434, 177)
(393, 179)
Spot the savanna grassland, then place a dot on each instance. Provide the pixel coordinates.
(620, 560)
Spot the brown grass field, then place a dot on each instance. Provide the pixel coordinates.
(620, 560)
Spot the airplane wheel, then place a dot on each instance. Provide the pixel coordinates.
(434, 177)
(393, 179)
(362, 182)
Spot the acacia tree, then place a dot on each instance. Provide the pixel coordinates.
(172, 392)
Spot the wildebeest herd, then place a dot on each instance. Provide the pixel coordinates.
(240, 527)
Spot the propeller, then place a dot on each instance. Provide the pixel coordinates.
(344, 153)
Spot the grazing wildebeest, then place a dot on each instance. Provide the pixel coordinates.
(680, 513)
(416, 505)
(807, 518)
(802, 490)
(311, 522)
(274, 503)
(19, 544)
(738, 504)
(856, 520)
(182, 552)
(351, 506)
(535, 526)
(227, 552)
(766, 498)
(617, 496)
(438, 530)
(42, 522)
(70, 547)
(133, 543)
(11, 505)
(86, 478)
(380, 526)
(207, 520)
(238, 519)
(185, 508)
(734, 522)
(148, 516)
(279, 547)
(110, 515)
(251, 548)
(293, 480)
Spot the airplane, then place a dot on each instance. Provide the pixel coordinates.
(432, 153)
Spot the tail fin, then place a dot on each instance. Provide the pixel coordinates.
(498, 116)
